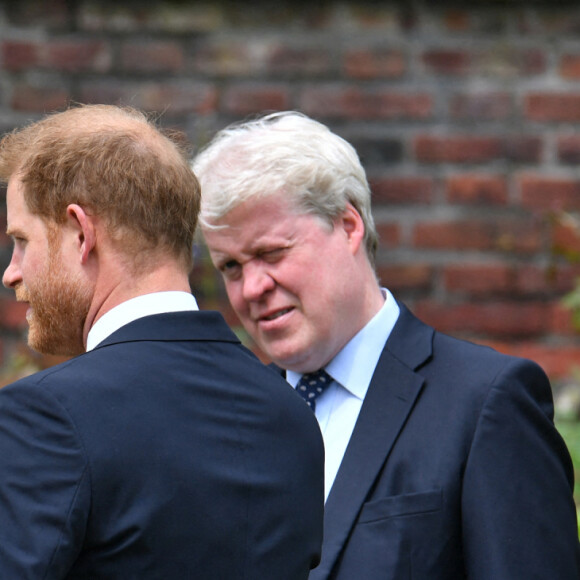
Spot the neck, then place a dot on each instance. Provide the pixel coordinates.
(114, 286)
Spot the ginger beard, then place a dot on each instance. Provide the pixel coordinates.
(59, 303)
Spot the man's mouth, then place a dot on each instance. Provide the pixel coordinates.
(277, 314)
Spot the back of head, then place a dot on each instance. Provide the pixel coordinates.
(283, 152)
(118, 166)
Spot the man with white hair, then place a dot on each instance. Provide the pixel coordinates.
(442, 459)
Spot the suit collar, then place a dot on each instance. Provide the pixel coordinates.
(137, 307)
(392, 393)
(411, 340)
(197, 325)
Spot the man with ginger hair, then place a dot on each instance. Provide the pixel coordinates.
(163, 448)
(442, 459)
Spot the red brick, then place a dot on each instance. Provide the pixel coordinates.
(558, 361)
(465, 235)
(566, 239)
(370, 16)
(557, 23)
(562, 321)
(152, 56)
(40, 99)
(543, 193)
(570, 66)
(13, 314)
(285, 60)
(19, 55)
(545, 280)
(227, 58)
(447, 62)
(494, 319)
(67, 54)
(372, 64)
(509, 61)
(165, 17)
(389, 235)
(234, 58)
(478, 279)
(169, 97)
(363, 17)
(505, 235)
(515, 280)
(490, 106)
(356, 103)
(517, 235)
(555, 107)
(73, 55)
(462, 149)
(457, 20)
(399, 277)
(522, 148)
(244, 99)
(568, 148)
(477, 149)
(477, 189)
(402, 190)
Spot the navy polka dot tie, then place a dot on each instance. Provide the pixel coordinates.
(311, 385)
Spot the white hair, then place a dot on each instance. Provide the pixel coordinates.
(284, 152)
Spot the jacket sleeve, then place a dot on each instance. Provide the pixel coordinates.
(44, 485)
(519, 518)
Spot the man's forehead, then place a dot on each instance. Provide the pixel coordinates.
(15, 201)
(19, 218)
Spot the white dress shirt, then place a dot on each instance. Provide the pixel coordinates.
(155, 303)
(338, 407)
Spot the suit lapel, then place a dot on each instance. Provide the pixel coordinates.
(389, 401)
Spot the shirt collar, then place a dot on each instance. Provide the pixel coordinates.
(354, 365)
(130, 310)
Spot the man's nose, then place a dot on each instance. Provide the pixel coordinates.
(257, 281)
(12, 275)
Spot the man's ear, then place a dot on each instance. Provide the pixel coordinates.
(84, 227)
(352, 223)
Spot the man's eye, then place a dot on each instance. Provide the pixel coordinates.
(230, 269)
(273, 255)
(229, 265)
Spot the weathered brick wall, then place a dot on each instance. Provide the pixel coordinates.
(466, 119)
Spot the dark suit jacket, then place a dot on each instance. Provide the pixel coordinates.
(168, 452)
(454, 470)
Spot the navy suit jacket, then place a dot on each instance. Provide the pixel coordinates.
(168, 452)
(454, 470)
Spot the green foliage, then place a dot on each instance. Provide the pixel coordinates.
(569, 427)
(568, 251)
(570, 431)
(571, 301)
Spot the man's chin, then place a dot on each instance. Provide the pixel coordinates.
(288, 360)
(53, 347)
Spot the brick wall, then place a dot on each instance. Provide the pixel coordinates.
(465, 118)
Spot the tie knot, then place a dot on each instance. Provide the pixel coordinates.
(311, 385)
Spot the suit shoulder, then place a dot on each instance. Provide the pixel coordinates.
(473, 355)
